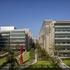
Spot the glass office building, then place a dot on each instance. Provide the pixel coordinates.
(17, 37)
(4, 39)
(13, 38)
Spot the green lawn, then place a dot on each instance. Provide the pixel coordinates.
(43, 64)
(67, 62)
(2, 60)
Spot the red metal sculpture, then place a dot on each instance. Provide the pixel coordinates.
(21, 51)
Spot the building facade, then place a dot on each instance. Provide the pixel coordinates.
(4, 39)
(13, 38)
(55, 37)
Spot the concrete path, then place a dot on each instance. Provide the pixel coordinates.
(6, 67)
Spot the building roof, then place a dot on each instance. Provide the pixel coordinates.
(7, 28)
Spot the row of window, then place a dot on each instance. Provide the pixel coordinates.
(62, 30)
(11, 44)
(64, 55)
(18, 38)
(17, 35)
(62, 42)
(62, 48)
(17, 42)
(61, 23)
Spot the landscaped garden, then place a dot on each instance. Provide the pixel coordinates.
(43, 65)
(2, 60)
(43, 61)
(67, 61)
(25, 55)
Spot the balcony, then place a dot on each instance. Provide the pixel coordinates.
(63, 26)
(62, 44)
(64, 51)
(17, 40)
(5, 34)
(65, 38)
(62, 32)
(13, 37)
(16, 44)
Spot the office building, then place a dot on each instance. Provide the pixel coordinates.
(55, 37)
(13, 38)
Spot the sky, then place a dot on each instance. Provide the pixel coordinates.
(31, 13)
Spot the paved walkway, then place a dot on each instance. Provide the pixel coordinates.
(6, 67)
(61, 64)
